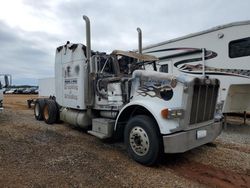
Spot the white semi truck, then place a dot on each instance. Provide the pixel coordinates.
(113, 96)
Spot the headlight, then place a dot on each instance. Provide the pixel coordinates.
(172, 113)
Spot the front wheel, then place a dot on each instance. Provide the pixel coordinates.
(143, 140)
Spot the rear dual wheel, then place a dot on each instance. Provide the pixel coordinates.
(50, 111)
(38, 109)
(47, 110)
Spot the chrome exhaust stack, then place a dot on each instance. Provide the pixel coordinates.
(139, 40)
(89, 99)
(88, 39)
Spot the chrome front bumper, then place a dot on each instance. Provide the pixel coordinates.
(186, 140)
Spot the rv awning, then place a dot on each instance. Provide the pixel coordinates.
(141, 57)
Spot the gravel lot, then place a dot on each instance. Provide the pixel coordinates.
(33, 154)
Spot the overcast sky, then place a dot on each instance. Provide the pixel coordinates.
(30, 30)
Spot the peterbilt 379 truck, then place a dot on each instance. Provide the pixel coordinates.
(113, 96)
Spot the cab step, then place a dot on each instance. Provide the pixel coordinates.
(102, 127)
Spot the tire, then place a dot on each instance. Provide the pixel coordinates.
(38, 109)
(50, 112)
(143, 140)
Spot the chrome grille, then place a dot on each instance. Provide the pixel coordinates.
(204, 100)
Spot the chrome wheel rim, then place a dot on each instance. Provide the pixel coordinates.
(139, 141)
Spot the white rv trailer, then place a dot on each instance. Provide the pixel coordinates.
(222, 52)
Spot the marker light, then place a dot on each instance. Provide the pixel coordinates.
(164, 113)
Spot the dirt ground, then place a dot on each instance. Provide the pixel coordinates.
(34, 154)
